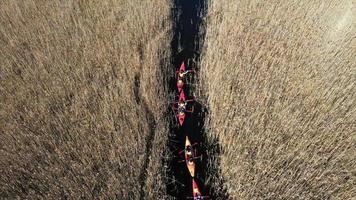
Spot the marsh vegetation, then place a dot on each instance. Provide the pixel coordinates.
(84, 98)
(81, 98)
(278, 78)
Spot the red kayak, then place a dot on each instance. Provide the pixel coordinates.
(181, 115)
(181, 107)
(181, 73)
(180, 81)
(196, 192)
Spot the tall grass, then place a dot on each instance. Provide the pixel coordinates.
(82, 99)
(279, 80)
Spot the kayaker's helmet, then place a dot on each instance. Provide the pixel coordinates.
(188, 149)
(190, 161)
(182, 104)
(181, 107)
(181, 74)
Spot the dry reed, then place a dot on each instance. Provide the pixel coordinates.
(81, 98)
(279, 80)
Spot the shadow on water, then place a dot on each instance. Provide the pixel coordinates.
(186, 47)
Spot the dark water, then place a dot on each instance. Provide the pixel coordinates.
(186, 47)
(187, 15)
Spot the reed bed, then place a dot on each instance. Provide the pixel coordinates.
(82, 98)
(278, 78)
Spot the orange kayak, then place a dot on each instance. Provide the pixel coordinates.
(189, 157)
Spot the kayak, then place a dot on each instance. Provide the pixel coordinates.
(181, 115)
(181, 74)
(180, 81)
(196, 191)
(189, 156)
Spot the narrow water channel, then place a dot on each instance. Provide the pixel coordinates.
(186, 47)
(188, 38)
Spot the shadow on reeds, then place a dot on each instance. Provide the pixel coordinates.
(149, 139)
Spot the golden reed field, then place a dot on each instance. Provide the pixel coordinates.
(279, 80)
(84, 98)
